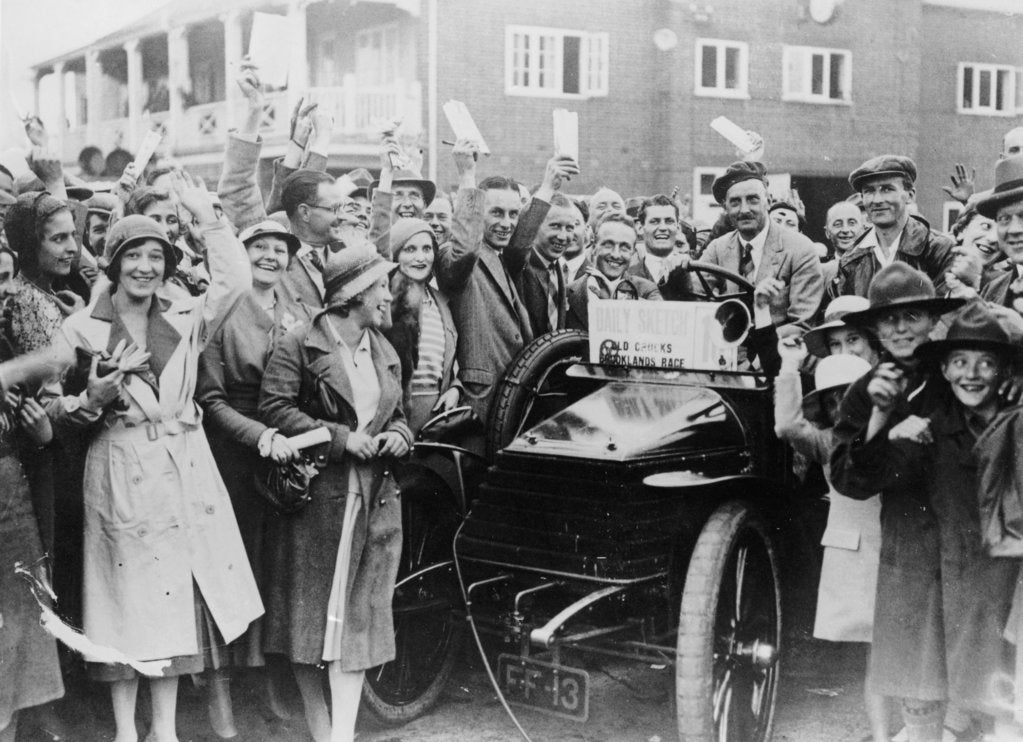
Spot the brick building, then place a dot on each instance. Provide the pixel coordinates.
(827, 83)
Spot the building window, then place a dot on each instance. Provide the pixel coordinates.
(555, 63)
(950, 213)
(987, 89)
(705, 208)
(814, 75)
(722, 68)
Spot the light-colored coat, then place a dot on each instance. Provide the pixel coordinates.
(791, 259)
(492, 322)
(157, 514)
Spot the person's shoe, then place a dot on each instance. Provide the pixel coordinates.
(221, 712)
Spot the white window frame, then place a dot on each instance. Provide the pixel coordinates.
(948, 208)
(594, 58)
(719, 90)
(789, 55)
(977, 108)
(705, 208)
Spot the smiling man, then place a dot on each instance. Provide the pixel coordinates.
(1004, 204)
(613, 251)
(782, 264)
(658, 220)
(886, 184)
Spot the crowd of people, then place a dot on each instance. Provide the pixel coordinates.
(164, 345)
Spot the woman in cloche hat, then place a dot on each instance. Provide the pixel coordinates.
(166, 577)
(329, 591)
(933, 446)
(230, 372)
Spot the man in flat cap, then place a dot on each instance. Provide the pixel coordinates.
(886, 183)
(782, 264)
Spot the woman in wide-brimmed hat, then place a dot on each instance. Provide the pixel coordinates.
(333, 564)
(935, 447)
(907, 657)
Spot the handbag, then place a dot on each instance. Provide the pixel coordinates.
(285, 486)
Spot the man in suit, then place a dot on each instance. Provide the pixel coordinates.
(777, 261)
(315, 204)
(493, 325)
(540, 272)
(613, 252)
(658, 219)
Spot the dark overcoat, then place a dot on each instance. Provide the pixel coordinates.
(976, 590)
(305, 387)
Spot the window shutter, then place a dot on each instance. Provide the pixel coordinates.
(595, 63)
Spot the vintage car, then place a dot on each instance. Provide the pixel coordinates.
(622, 510)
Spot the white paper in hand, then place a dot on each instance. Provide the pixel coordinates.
(313, 437)
(268, 48)
(733, 133)
(146, 150)
(566, 133)
(463, 125)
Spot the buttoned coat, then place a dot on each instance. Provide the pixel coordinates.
(231, 370)
(907, 658)
(157, 513)
(492, 322)
(976, 589)
(579, 297)
(920, 246)
(787, 256)
(305, 387)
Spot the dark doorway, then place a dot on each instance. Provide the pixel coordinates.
(818, 193)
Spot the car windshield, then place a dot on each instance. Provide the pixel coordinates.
(624, 420)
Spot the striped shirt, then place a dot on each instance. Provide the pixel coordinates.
(426, 379)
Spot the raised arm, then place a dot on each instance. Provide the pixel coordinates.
(558, 171)
(238, 187)
(789, 423)
(458, 257)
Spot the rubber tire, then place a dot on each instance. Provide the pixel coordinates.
(436, 548)
(515, 392)
(694, 667)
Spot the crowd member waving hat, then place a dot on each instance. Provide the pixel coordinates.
(900, 286)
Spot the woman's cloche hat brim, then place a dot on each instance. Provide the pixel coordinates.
(352, 270)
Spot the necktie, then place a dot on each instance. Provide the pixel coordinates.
(746, 259)
(555, 292)
(315, 259)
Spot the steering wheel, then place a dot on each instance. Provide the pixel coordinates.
(714, 280)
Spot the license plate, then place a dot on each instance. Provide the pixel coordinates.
(554, 689)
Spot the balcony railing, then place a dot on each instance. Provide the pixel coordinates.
(357, 110)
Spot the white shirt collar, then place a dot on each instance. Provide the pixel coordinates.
(573, 264)
(756, 245)
(595, 282)
(657, 266)
(870, 240)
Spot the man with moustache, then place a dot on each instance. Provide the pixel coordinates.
(886, 183)
(613, 252)
(782, 264)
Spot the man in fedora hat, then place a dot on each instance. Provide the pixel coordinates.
(887, 185)
(907, 659)
(1004, 205)
(782, 264)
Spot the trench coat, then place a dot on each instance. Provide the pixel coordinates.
(852, 537)
(305, 387)
(158, 519)
(907, 659)
(976, 589)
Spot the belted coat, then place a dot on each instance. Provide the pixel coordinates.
(157, 513)
(305, 387)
